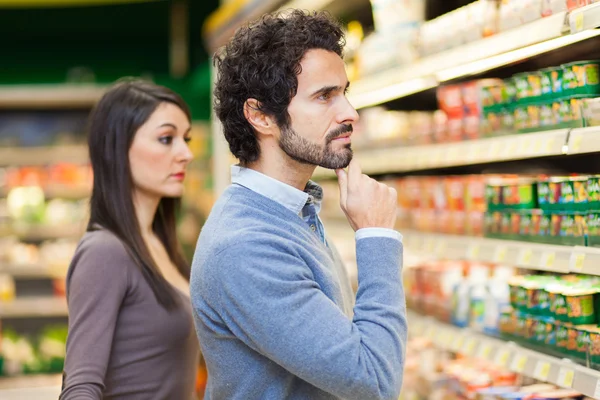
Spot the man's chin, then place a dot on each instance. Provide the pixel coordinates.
(338, 163)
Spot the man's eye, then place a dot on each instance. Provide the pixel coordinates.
(166, 140)
(187, 139)
(325, 96)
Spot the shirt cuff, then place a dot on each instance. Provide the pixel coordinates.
(378, 232)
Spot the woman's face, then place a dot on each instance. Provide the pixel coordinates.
(160, 154)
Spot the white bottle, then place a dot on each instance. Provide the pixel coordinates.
(478, 278)
(497, 298)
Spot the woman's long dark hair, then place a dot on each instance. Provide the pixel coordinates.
(123, 109)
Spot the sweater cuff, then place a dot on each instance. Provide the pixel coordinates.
(365, 233)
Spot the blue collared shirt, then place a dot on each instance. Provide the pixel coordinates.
(306, 204)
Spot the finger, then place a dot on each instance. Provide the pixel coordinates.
(354, 175)
(343, 183)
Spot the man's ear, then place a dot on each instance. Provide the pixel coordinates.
(261, 122)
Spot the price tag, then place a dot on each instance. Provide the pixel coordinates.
(441, 247)
(502, 357)
(541, 371)
(577, 262)
(484, 351)
(548, 259)
(518, 363)
(429, 333)
(575, 146)
(473, 251)
(579, 22)
(452, 155)
(469, 347)
(525, 256)
(494, 151)
(500, 254)
(458, 343)
(526, 145)
(549, 145)
(429, 245)
(537, 146)
(566, 377)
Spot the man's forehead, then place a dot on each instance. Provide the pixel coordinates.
(322, 68)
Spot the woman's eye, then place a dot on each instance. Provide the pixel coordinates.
(166, 140)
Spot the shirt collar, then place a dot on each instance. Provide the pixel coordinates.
(286, 195)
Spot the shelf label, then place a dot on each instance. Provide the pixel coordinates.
(501, 358)
(500, 254)
(473, 251)
(441, 247)
(576, 145)
(429, 333)
(458, 343)
(548, 259)
(537, 146)
(429, 245)
(566, 377)
(549, 145)
(484, 351)
(541, 371)
(525, 145)
(469, 347)
(579, 22)
(518, 363)
(577, 262)
(525, 256)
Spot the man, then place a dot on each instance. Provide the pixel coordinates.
(273, 308)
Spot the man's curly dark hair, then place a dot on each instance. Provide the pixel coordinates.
(262, 61)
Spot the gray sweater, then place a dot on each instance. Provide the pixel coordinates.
(269, 308)
(122, 343)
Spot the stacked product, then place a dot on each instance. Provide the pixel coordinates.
(560, 313)
(452, 204)
(44, 353)
(555, 210)
(434, 374)
(466, 294)
(552, 98)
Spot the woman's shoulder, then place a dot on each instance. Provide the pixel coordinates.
(102, 249)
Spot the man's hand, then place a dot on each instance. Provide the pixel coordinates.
(366, 202)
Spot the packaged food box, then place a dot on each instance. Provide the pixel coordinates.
(580, 305)
(528, 86)
(565, 394)
(590, 110)
(581, 79)
(568, 113)
(563, 193)
(593, 189)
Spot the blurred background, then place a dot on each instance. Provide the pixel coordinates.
(483, 114)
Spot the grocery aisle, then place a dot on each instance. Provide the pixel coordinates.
(484, 115)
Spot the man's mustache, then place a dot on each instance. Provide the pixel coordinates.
(339, 131)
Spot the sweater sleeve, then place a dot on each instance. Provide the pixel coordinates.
(96, 286)
(270, 300)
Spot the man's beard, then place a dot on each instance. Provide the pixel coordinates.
(303, 151)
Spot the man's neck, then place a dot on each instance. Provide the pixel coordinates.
(287, 171)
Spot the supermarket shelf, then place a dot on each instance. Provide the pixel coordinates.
(587, 17)
(32, 307)
(503, 49)
(50, 96)
(23, 156)
(30, 271)
(38, 233)
(60, 192)
(29, 381)
(563, 373)
(482, 151)
(584, 141)
(543, 257)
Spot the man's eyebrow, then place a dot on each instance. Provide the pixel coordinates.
(329, 89)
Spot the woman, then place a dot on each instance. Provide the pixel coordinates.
(131, 332)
